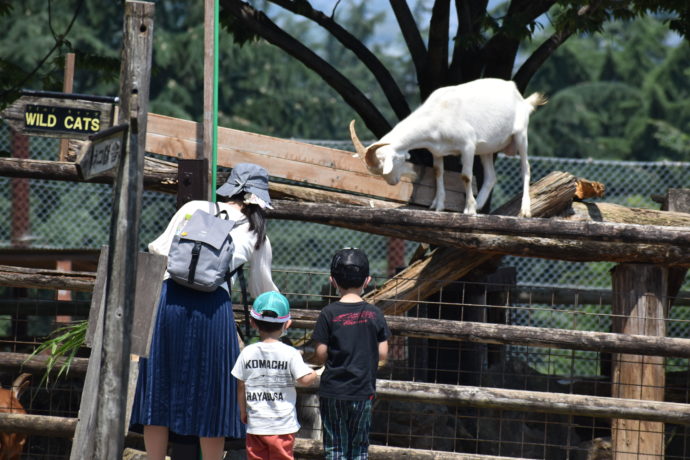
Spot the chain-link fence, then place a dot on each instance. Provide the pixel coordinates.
(76, 215)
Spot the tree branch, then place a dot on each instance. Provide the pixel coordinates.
(541, 54)
(538, 57)
(258, 22)
(378, 70)
(411, 34)
(437, 56)
(500, 51)
(466, 64)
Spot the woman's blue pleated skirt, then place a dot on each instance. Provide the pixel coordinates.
(185, 383)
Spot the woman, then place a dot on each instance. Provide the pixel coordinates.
(185, 385)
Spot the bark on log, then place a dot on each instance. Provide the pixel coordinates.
(458, 395)
(528, 401)
(418, 223)
(63, 427)
(609, 212)
(307, 448)
(500, 235)
(453, 331)
(46, 279)
(37, 365)
(502, 334)
(426, 276)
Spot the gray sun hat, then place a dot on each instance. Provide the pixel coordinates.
(248, 178)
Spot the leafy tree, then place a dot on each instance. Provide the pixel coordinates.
(625, 98)
(484, 43)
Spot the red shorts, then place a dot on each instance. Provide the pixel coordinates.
(270, 447)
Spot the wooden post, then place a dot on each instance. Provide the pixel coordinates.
(120, 290)
(209, 66)
(67, 87)
(639, 307)
(135, 75)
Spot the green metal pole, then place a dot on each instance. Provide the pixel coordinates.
(214, 154)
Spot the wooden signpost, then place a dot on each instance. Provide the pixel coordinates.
(62, 115)
(102, 153)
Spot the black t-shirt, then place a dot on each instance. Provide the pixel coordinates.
(352, 332)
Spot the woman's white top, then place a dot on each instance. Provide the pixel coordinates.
(260, 279)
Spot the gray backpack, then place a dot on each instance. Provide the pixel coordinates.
(200, 254)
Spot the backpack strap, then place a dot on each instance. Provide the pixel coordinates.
(243, 287)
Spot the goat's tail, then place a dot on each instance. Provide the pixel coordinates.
(536, 99)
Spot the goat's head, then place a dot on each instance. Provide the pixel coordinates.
(382, 159)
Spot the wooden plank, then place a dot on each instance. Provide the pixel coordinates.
(148, 287)
(639, 307)
(298, 161)
(57, 115)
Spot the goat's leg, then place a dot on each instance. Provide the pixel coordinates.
(439, 201)
(489, 179)
(521, 141)
(466, 176)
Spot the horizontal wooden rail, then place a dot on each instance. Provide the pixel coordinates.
(521, 400)
(63, 427)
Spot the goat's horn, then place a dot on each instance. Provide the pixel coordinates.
(359, 147)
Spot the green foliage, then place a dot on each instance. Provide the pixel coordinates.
(62, 346)
(615, 95)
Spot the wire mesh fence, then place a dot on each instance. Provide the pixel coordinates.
(547, 294)
(451, 425)
(52, 214)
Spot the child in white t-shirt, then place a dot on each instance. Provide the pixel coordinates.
(266, 372)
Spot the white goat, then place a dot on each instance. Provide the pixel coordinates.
(481, 117)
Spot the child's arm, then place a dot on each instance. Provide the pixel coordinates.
(307, 380)
(242, 401)
(383, 352)
(320, 354)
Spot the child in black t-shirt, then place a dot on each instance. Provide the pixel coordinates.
(351, 337)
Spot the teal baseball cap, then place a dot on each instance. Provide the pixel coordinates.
(272, 301)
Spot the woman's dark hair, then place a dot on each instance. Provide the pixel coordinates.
(256, 217)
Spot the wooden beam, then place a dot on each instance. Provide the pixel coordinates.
(63, 427)
(489, 234)
(505, 399)
(426, 276)
(503, 334)
(298, 161)
(162, 176)
(46, 279)
(422, 221)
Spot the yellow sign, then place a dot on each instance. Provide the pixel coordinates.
(62, 119)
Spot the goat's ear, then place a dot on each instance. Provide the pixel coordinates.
(370, 157)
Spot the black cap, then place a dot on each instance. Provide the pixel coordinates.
(350, 267)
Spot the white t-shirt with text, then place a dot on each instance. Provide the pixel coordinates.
(269, 371)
